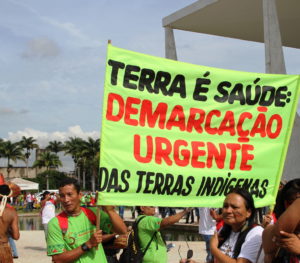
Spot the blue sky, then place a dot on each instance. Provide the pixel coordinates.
(53, 54)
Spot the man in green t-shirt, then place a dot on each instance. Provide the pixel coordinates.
(81, 243)
(149, 225)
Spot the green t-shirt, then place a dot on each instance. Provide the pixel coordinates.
(105, 222)
(79, 231)
(157, 252)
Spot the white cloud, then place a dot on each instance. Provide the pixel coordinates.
(43, 138)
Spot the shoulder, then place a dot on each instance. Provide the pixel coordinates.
(255, 234)
(149, 218)
(256, 230)
(53, 222)
(149, 222)
(10, 213)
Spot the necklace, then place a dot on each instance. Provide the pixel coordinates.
(229, 244)
(74, 214)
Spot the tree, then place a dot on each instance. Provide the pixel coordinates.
(11, 151)
(91, 149)
(73, 147)
(55, 178)
(28, 144)
(55, 146)
(47, 160)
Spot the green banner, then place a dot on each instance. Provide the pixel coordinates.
(181, 135)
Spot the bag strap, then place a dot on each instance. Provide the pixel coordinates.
(149, 243)
(63, 222)
(258, 253)
(137, 222)
(63, 219)
(90, 215)
(154, 234)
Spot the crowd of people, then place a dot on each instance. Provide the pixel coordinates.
(238, 232)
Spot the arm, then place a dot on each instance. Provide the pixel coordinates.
(15, 233)
(289, 220)
(118, 224)
(281, 233)
(107, 237)
(72, 255)
(170, 220)
(268, 245)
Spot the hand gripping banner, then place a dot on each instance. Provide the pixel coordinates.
(182, 135)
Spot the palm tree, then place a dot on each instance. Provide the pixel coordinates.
(55, 146)
(11, 151)
(48, 160)
(28, 144)
(91, 149)
(73, 147)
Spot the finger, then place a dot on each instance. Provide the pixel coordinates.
(286, 234)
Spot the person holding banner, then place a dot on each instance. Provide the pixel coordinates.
(240, 239)
(78, 241)
(151, 225)
(281, 241)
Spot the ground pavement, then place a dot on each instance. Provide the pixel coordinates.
(32, 249)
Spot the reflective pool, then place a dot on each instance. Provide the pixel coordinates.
(30, 223)
(35, 223)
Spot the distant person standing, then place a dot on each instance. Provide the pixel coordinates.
(207, 227)
(48, 211)
(29, 202)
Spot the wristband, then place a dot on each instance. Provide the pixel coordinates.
(84, 247)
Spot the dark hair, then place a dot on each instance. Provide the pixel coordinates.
(139, 210)
(226, 229)
(287, 193)
(68, 181)
(44, 195)
(4, 189)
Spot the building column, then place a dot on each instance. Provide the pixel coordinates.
(170, 46)
(273, 46)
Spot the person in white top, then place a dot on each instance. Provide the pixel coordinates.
(240, 239)
(48, 211)
(29, 202)
(207, 227)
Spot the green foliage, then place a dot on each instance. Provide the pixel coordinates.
(48, 160)
(55, 177)
(55, 146)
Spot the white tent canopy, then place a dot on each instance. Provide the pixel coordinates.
(25, 184)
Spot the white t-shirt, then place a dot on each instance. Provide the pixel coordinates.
(250, 247)
(48, 212)
(29, 198)
(207, 225)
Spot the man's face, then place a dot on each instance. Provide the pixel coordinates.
(69, 198)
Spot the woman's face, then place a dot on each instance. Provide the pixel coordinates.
(234, 211)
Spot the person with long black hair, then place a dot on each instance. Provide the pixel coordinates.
(240, 238)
